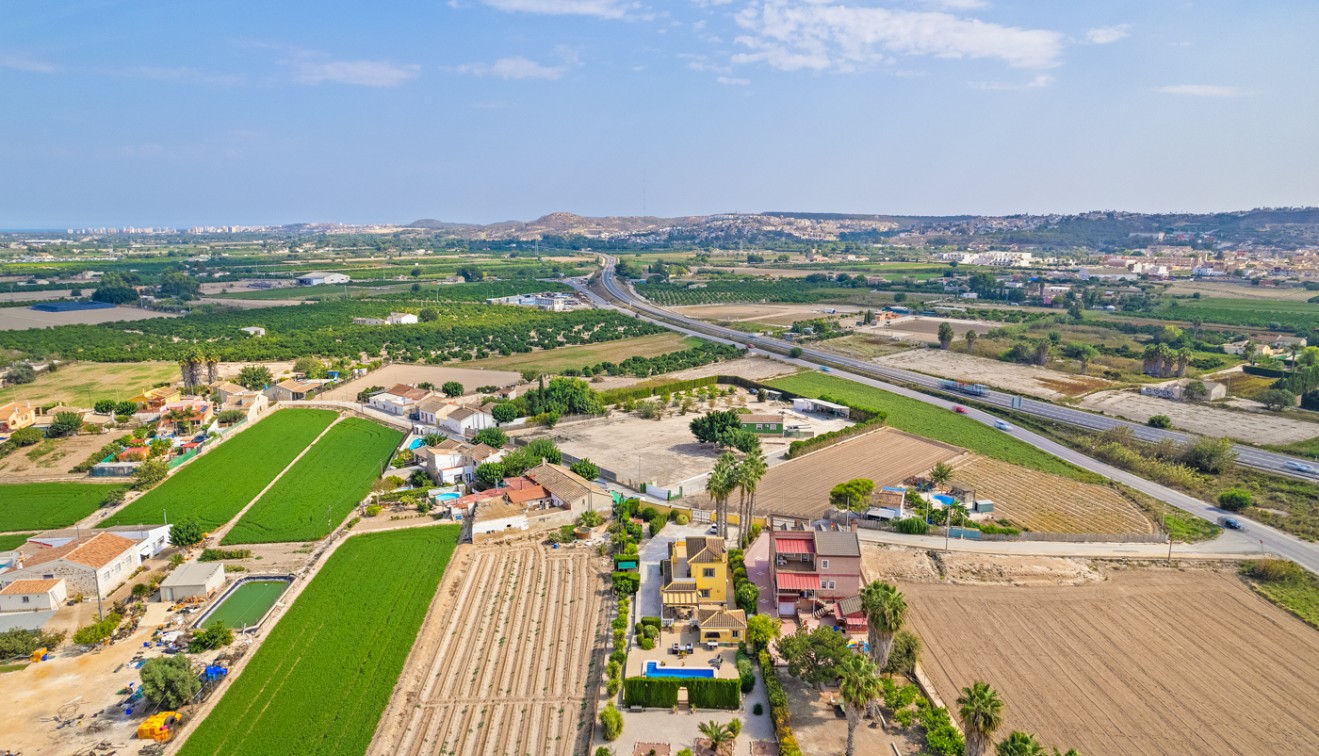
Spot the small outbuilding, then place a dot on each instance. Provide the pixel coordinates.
(33, 595)
(198, 579)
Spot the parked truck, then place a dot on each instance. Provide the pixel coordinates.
(961, 387)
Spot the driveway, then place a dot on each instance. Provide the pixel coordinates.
(652, 552)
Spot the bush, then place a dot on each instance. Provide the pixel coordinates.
(758, 709)
(654, 622)
(98, 631)
(1274, 570)
(735, 726)
(912, 526)
(26, 436)
(215, 636)
(746, 675)
(650, 692)
(906, 650)
(645, 643)
(20, 642)
(1159, 421)
(625, 583)
(603, 751)
(1235, 499)
(372, 510)
(590, 519)
(681, 518)
(169, 681)
(713, 693)
(216, 555)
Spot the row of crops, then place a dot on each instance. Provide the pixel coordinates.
(718, 292)
(318, 492)
(322, 679)
(217, 485)
(41, 506)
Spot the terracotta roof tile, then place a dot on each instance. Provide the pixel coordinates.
(92, 551)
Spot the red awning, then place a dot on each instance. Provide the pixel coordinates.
(798, 581)
(794, 545)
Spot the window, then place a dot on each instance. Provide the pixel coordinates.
(824, 564)
(806, 557)
(735, 633)
(759, 426)
(27, 599)
(828, 585)
(705, 593)
(707, 572)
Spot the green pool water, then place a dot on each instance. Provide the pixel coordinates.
(248, 603)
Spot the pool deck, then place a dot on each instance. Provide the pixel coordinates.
(700, 657)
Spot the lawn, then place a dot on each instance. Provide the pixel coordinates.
(218, 484)
(562, 358)
(40, 506)
(322, 488)
(11, 541)
(81, 384)
(931, 421)
(320, 682)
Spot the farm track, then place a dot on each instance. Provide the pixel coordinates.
(501, 665)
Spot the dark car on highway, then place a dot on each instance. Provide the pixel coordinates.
(1231, 523)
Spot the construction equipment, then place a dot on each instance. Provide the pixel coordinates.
(159, 727)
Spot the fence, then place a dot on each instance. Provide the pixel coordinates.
(1028, 535)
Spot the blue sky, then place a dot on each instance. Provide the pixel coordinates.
(156, 113)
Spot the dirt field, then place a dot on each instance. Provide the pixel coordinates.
(1025, 379)
(1051, 503)
(908, 565)
(866, 346)
(51, 457)
(20, 318)
(769, 314)
(555, 360)
(502, 665)
(1260, 428)
(1147, 662)
(413, 374)
(800, 487)
(81, 384)
(34, 296)
(927, 329)
(1232, 291)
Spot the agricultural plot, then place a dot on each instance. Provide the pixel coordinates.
(11, 541)
(1274, 315)
(931, 421)
(1146, 662)
(218, 484)
(1050, 503)
(41, 506)
(590, 354)
(320, 681)
(322, 488)
(1252, 427)
(80, 385)
(503, 665)
(800, 487)
(1024, 379)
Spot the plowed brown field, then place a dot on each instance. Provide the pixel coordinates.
(1051, 503)
(1148, 662)
(502, 662)
(800, 487)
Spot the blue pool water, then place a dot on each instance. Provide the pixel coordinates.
(945, 500)
(654, 670)
(448, 496)
(416, 442)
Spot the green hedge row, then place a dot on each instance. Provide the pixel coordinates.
(798, 448)
(620, 395)
(702, 693)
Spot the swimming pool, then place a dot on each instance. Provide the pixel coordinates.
(654, 670)
(416, 442)
(450, 496)
(944, 499)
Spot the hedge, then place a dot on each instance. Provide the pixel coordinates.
(620, 395)
(778, 708)
(798, 448)
(662, 693)
(1264, 371)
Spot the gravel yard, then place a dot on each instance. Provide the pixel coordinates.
(1252, 427)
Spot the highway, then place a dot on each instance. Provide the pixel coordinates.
(1256, 537)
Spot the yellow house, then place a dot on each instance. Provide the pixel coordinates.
(156, 398)
(16, 415)
(722, 625)
(695, 575)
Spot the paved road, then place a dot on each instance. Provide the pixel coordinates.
(1266, 539)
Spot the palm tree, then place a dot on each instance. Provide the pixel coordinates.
(859, 687)
(752, 468)
(886, 610)
(720, 485)
(720, 736)
(982, 713)
(212, 366)
(1020, 744)
(940, 474)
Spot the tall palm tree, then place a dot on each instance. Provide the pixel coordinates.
(719, 735)
(212, 366)
(720, 485)
(982, 713)
(1020, 744)
(749, 472)
(859, 687)
(941, 473)
(886, 611)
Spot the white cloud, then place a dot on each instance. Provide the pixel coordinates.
(310, 67)
(809, 34)
(1038, 82)
(24, 63)
(1107, 35)
(958, 4)
(733, 81)
(598, 8)
(1200, 90)
(516, 67)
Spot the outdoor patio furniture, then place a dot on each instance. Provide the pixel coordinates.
(711, 645)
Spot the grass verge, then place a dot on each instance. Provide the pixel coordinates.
(1287, 585)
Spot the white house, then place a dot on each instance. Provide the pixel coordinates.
(452, 461)
(465, 420)
(33, 595)
(399, 399)
(91, 565)
(254, 331)
(401, 318)
(320, 278)
(192, 580)
(430, 412)
(150, 539)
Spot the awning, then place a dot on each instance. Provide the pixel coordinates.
(794, 545)
(798, 581)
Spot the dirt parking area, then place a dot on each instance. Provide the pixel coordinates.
(1024, 379)
(413, 374)
(503, 664)
(22, 318)
(1146, 662)
(1051, 503)
(800, 487)
(1253, 427)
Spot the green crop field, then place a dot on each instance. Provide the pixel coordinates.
(1276, 314)
(218, 484)
(794, 290)
(320, 682)
(322, 488)
(931, 421)
(39, 506)
(11, 541)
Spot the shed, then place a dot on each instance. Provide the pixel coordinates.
(33, 595)
(198, 579)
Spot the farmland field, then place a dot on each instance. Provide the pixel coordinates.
(758, 290)
(800, 487)
(11, 541)
(322, 488)
(1276, 314)
(503, 662)
(80, 385)
(320, 681)
(39, 506)
(589, 354)
(1049, 503)
(1030, 380)
(218, 484)
(1251, 427)
(931, 421)
(1146, 662)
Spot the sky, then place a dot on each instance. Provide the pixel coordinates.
(153, 113)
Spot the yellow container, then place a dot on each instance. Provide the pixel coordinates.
(36, 655)
(157, 726)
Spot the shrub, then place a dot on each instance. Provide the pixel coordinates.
(758, 709)
(1274, 570)
(746, 676)
(654, 622)
(625, 583)
(645, 643)
(590, 519)
(603, 751)
(20, 642)
(650, 692)
(1235, 499)
(713, 693)
(372, 510)
(912, 526)
(612, 722)
(169, 681)
(215, 636)
(1159, 421)
(735, 726)
(681, 518)
(215, 555)
(98, 631)
(906, 650)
